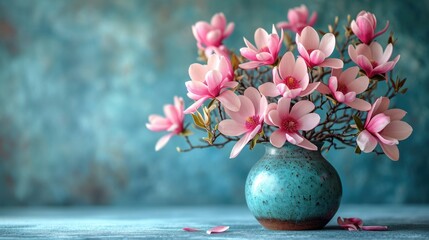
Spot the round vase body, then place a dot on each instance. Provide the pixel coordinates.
(291, 188)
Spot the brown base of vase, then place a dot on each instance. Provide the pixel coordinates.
(311, 224)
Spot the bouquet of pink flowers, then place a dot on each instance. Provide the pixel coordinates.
(304, 96)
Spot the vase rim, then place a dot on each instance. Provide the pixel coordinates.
(319, 145)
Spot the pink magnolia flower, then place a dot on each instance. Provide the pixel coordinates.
(172, 122)
(344, 87)
(384, 126)
(298, 19)
(372, 59)
(290, 79)
(355, 224)
(212, 81)
(247, 120)
(212, 35)
(291, 121)
(266, 51)
(315, 52)
(365, 25)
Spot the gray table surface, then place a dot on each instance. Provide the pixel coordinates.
(404, 222)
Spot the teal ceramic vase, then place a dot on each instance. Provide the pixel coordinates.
(291, 188)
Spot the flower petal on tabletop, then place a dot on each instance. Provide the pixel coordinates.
(218, 229)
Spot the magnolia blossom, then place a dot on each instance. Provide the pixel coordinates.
(266, 51)
(384, 126)
(290, 79)
(212, 81)
(247, 120)
(291, 121)
(172, 122)
(315, 52)
(344, 87)
(372, 59)
(212, 34)
(298, 19)
(365, 25)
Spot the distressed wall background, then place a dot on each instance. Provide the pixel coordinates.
(78, 80)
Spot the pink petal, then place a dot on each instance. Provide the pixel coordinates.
(197, 88)
(333, 84)
(218, 21)
(366, 141)
(229, 29)
(299, 71)
(261, 38)
(197, 72)
(292, 93)
(323, 89)
(398, 130)
(278, 138)
(317, 57)
(308, 121)
(287, 63)
(163, 141)
(245, 110)
(269, 89)
(348, 76)
(309, 38)
(374, 228)
(230, 127)
(377, 52)
(383, 68)
(218, 229)
(195, 105)
(250, 65)
(355, 28)
(283, 107)
(188, 229)
(307, 145)
(378, 123)
(294, 138)
(274, 118)
(301, 108)
(359, 104)
(395, 114)
(327, 44)
(214, 37)
(229, 100)
(303, 52)
(243, 141)
(383, 30)
(391, 151)
(213, 80)
(249, 45)
(254, 96)
(365, 64)
(332, 63)
(386, 55)
(249, 53)
(350, 97)
(339, 96)
(310, 88)
(352, 53)
(358, 85)
(264, 56)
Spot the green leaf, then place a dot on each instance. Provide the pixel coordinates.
(357, 150)
(199, 122)
(403, 91)
(358, 122)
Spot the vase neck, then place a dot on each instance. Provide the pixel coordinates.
(290, 151)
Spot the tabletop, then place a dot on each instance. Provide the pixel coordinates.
(403, 221)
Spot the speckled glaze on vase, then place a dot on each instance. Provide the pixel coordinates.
(291, 188)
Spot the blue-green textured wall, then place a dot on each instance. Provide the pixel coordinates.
(78, 80)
